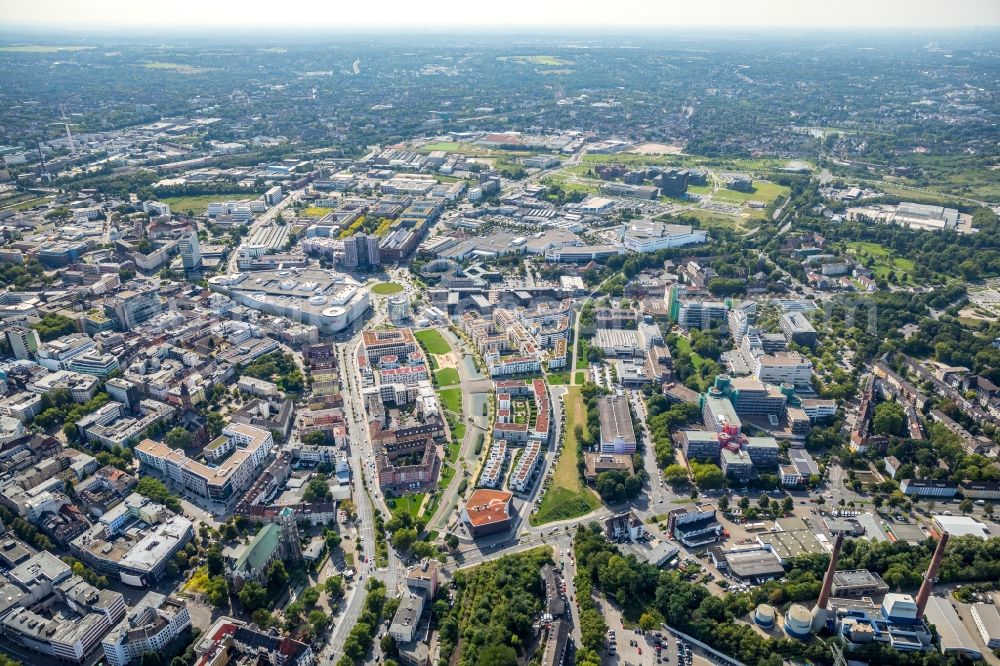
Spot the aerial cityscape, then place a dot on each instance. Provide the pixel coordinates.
(553, 345)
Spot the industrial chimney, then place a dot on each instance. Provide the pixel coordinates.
(932, 570)
(819, 614)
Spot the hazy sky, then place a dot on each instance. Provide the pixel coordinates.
(485, 13)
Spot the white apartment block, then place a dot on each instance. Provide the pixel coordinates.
(527, 465)
(783, 367)
(226, 482)
(150, 626)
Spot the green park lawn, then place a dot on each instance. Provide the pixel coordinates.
(433, 341)
(557, 378)
(314, 211)
(406, 504)
(763, 190)
(447, 377)
(883, 261)
(567, 496)
(684, 346)
(452, 400)
(387, 288)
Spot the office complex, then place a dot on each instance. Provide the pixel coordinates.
(240, 453)
(190, 249)
(617, 434)
(150, 626)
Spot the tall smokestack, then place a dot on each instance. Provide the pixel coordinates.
(819, 614)
(824, 594)
(932, 570)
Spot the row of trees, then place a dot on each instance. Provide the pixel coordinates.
(360, 640)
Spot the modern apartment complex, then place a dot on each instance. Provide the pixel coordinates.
(248, 449)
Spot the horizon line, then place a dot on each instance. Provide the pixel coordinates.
(641, 29)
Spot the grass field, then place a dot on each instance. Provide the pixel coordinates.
(762, 191)
(635, 158)
(712, 219)
(407, 504)
(314, 211)
(882, 261)
(581, 377)
(557, 378)
(433, 341)
(387, 288)
(41, 48)
(567, 496)
(562, 180)
(25, 204)
(447, 377)
(452, 400)
(198, 204)
(178, 67)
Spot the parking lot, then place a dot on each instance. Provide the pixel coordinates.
(629, 647)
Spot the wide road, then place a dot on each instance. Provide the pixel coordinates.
(392, 574)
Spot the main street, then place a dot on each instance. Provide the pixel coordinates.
(361, 455)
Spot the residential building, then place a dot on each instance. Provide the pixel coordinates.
(150, 626)
(221, 484)
(523, 475)
(892, 465)
(231, 641)
(980, 490)
(624, 527)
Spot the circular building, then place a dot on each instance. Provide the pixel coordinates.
(764, 616)
(798, 622)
